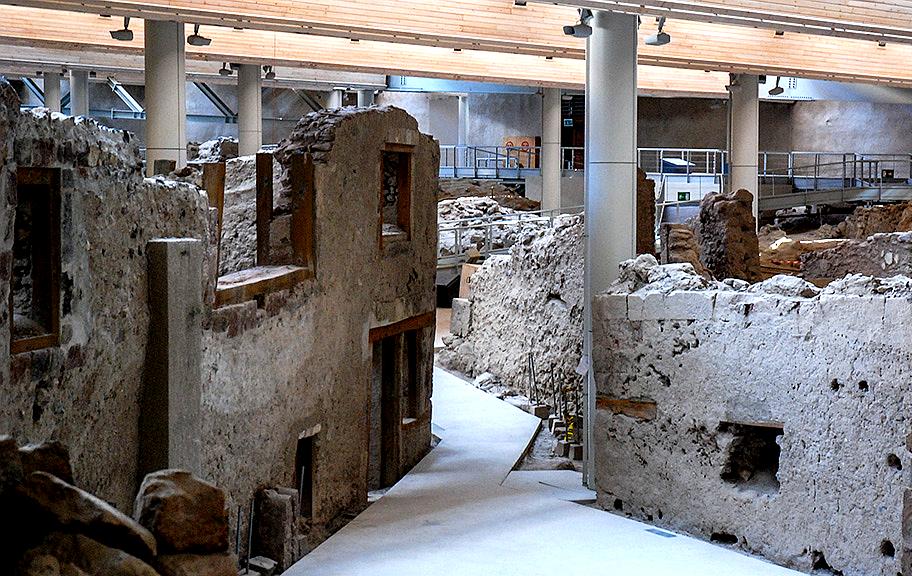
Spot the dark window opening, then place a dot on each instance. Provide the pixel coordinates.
(753, 456)
(35, 281)
(395, 193)
(304, 475)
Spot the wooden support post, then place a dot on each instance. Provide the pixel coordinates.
(264, 199)
(302, 210)
(214, 185)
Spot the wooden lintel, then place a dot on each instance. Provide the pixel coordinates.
(251, 283)
(214, 185)
(413, 323)
(639, 409)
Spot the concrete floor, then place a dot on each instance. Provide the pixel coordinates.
(461, 511)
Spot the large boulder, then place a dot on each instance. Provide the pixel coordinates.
(187, 515)
(51, 457)
(60, 505)
(64, 554)
(224, 564)
(10, 464)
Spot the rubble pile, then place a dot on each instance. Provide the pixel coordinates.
(475, 213)
(507, 196)
(217, 150)
(883, 255)
(179, 525)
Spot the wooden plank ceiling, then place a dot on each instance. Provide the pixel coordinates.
(498, 41)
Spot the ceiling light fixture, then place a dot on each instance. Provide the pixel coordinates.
(125, 35)
(225, 70)
(780, 32)
(660, 38)
(882, 44)
(777, 90)
(196, 40)
(581, 29)
(270, 73)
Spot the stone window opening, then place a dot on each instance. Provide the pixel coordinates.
(304, 474)
(752, 461)
(285, 239)
(34, 299)
(395, 192)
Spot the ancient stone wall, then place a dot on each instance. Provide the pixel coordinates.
(771, 417)
(530, 302)
(728, 235)
(300, 361)
(881, 255)
(85, 391)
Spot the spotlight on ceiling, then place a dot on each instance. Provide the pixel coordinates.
(270, 73)
(125, 35)
(225, 70)
(777, 90)
(196, 40)
(660, 38)
(581, 29)
(882, 44)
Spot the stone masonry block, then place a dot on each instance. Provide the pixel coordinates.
(612, 306)
(635, 306)
(654, 306)
(461, 318)
(681, 305)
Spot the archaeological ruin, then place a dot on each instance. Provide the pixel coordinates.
(485, 287)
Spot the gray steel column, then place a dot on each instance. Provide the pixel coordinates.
(166, 94)
(611, 132)
(52, 91)
(551, 153)
(365, 98)
(335, 99)
(250, 109)
(745, 135)
(462, 121)
(79, 92)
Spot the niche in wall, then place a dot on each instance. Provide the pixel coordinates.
(752, 461)
(396, 192)
(304, 474)
(35, 280)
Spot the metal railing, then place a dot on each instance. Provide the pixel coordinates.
(481, 236)
(488, 161)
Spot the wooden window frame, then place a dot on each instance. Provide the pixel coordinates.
(52, 178)
(269, 274)
(404, 185)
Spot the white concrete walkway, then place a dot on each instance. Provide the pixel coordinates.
(454, 514)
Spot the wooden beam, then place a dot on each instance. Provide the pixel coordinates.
(639, 409)
(264, 205)
(413, 323)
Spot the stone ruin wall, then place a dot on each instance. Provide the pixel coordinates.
(701, 383)
(528, 302)
(269, 372)
(302, 361)
(85, 391)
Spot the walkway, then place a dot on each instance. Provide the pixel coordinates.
(457, 513)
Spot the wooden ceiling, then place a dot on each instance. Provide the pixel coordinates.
(499, 41)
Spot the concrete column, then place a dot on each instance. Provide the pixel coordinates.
(79, 92)
(365, 98)
(166, 94)
(462, 121)
(250, 109)
(52, 91)
(745, 135)
(335, 99)
(611, 141)
(170, 410)
(551, 149)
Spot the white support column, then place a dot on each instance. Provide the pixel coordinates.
(52, 91)
(79, 92)
(611, 170)
(745, 135)
(335, 99)
(365, 98)
(551, 149)
(250, 109)
(166, 94)
(462, 121)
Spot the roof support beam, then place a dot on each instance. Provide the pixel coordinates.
(121, 92)
(34, 88)
(226, 111)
